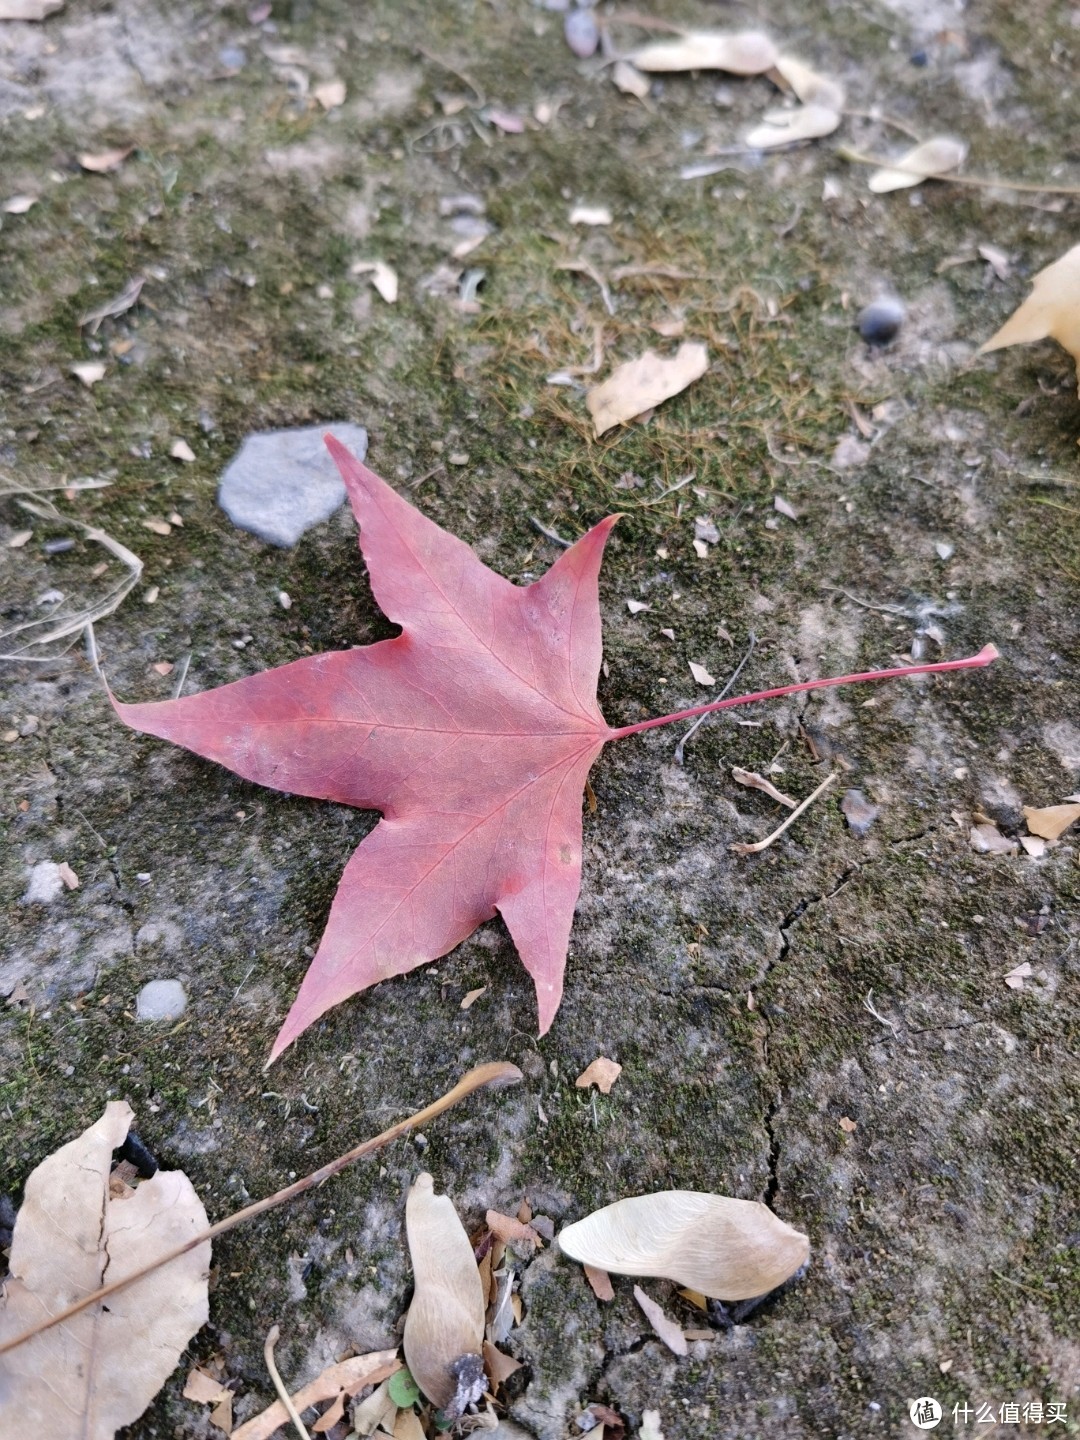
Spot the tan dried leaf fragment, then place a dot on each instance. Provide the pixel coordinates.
(106, 160)
(810, 87)
(755, 781)
(639, 384)
(599, 1283)
(101, 1369)
(602, 1073)
(928, 161)
(1051, 821)
(724, 1248)
(745, 52)
(1051, 311)
(345, 1378)
(510, 1230)
(445, 1323)
(666, 1328)
(630, 80)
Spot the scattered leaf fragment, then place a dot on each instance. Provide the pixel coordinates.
(19, 539)
(783, 507)
(383, 277)
(205, 1390)
(105, 160)
(331, 94)
(407, 1426)
(808, 86)
(472, 997)
(163, 667)
(786, 127)
(928, 161)
(1051, 821)
(444, 1328)
(1051, 311)
(89, 372)
(997, 259)
(602, 1073)
(745, 52)
(67, 875)
(629, 79)
(19, 204)
(1016, 977)
(634, 606)
(857, 810)
(696, 1299)
(848, 1125)
(638, 385)
(600, 1283)
(100, 1370)
(158, 527)
(590, 215)
(700, 674)
(758, 782)
(1034, 846)
(987, 839)
(727, 1249)
(670, 1333)
(499, 1366)
(376, 1412)
(510, 1230)
(181, 450)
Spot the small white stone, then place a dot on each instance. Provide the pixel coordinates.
(161, 1000)
(944, 549)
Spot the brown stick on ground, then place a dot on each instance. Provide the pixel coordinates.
(491, 1076)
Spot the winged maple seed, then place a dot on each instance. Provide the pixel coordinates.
(473, 731)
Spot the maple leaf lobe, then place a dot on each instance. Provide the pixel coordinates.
(473, 732)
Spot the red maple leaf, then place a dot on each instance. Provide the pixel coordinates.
(473, 731)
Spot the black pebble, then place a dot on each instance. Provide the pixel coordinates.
(135, 1153)
(880, 321)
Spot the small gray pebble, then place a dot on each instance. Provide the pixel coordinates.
(161, 1000)
(880, 321)
(582, 33)
(58, 547)
(281, 482)
(232, 57)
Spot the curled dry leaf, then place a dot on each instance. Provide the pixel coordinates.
(1051, 821)
(927, 161)
(101, 1369)
(1016, 977)
(637, 386)
(810, 87)
(987, 839)
(758, 782)
(670, 1333)
(1051, 311)
(727, 1249)
(445, 1323)
(602, 1073)
(747, 52)
(785, 127)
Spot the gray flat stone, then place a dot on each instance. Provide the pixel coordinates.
(282, 482)
(161, 1000)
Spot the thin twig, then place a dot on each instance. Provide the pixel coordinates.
(494, 1075)
(980, 182)
(279, 1384)
(582, 267)
(644, 504)
(752, 641)
(867, 604)
(741, 848)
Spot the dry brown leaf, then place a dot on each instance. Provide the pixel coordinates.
(1051, 311)
(446, 1318)
(344, 1378)
(1016, 977)
(600, 1283)
(106, 160)
(727, 1249)
(635, 387)
(758, 782)
(602, 1073)
(670, 1333)
(785, 127)
(28, 9)
(100, 1370)
(746, 52)
(407, 1426)
(510, 1230)
(471, 998)
(928, 161)
(203, 1388)
(1051, 821)
(377, 1413)
(499, 1366)
(987, 839)
(810, 87)
(848, 1125)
